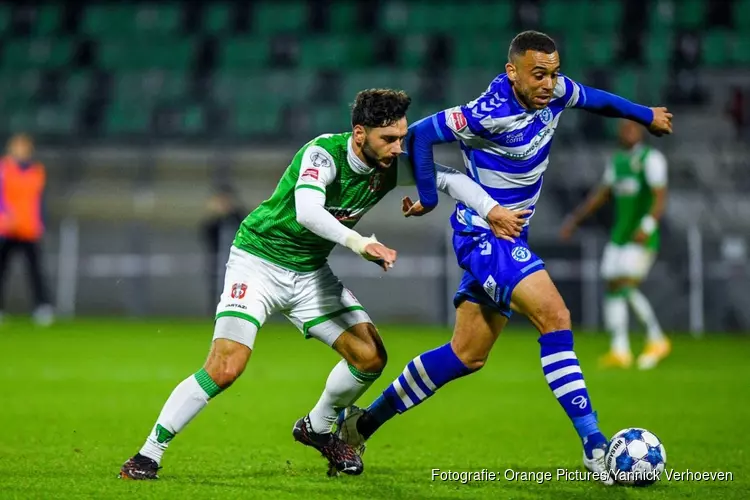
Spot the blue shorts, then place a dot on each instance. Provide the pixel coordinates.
(492, 268)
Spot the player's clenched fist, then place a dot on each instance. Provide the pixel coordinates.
(661, 124)
(507, 224)
(381, 254)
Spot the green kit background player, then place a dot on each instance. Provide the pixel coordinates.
(278, 263)
(636, 177)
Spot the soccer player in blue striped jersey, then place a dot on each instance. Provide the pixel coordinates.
(505, 136)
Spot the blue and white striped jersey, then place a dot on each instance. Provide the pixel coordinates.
(505, 147)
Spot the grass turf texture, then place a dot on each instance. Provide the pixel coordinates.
(79, 398)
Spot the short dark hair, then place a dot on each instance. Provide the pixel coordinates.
(379, 107)
(531, 40)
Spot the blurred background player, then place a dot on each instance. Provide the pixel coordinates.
(22, 184)
(636, 177)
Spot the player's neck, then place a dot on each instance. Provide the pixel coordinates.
(356, 158)
(521, 102)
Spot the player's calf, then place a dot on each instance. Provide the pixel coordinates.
(476, 330)
(537, 297)
(226, 361)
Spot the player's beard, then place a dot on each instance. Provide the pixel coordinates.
(371, 157)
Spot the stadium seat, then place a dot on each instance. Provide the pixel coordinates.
(342, 17)
(282, 16)
(741, 16)
(77, 87)
(739, 49)
(625, 83)
(122, 117)
(244, 53)
(413, 51)
(256, 119)
(130, 20)
(18, 89)
(56, 119)
(480, 51)
(564, 16)
(167, 54)
(47, 19)
(690, 14)
(716, 48)
(599, 50)
(604, 16)
(6, 16)
(331, 52)
(657, 48)
(150, 86)
(42, 53)
(217, 18)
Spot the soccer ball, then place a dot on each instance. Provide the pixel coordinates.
(636, 457)
(346, 428)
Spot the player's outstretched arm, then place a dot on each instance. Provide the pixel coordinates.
(423, 135)
(317, 171)
(658, 120)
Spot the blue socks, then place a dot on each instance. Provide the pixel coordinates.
(563, 374)
(422, 376)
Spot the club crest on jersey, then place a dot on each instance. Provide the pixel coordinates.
(545, 115)
(376, 182)
(238, 290)
(456, 121)
(521, 254)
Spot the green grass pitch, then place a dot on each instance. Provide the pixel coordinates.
(78, 399)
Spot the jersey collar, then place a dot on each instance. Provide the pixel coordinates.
(357, 165)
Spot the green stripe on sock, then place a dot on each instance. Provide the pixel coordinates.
(207, 383)
(241, 315)
(363, 376)
(322, 319)
(622, 292)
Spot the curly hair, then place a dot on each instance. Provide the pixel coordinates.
(379, 107)
(531, 40)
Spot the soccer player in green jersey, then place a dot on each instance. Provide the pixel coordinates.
(278, 263)
(636, 178)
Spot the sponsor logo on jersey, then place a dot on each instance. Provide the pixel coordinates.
(628, 186)
(237, 306)
(514, 138)
(238, 290)
(343, 214)
(521, 254)
(456, 121)
(310, 174)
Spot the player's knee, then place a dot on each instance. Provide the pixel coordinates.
(373, 358)
(369, 352)
(226, 362)
(554, 320)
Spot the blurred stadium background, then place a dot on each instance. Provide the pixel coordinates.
(142, 110)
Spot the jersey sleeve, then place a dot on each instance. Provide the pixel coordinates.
(655, 167)
(568, 90)
(317, 169)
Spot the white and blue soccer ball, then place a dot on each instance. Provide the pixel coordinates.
(636, 457)
(346, 428)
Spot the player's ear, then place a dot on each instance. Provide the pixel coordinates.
(510, 70)
(359, 135)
